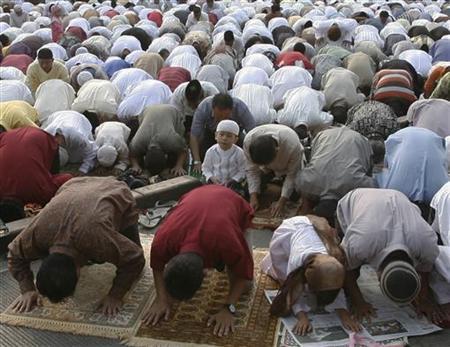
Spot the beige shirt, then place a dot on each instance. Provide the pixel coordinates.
(35, 74)
(288, 160)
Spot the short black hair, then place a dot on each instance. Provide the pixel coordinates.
(222, 101)
(384, 14)
(263, 149)
(164, 52)
(275, 8)
(4, 40)
(326, 208)
(339, 114)
(183, 275)
(378, 149)
(45, 53)
(11, 209)
(228, 36)
(155, 160)
(193, 90)
(302, 131)
(299, 47)
(57, 277)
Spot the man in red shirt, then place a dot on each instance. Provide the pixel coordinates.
(28, 158)
(291, 57)
(205, 230)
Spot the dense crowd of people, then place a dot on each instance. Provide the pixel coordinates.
(343, 104)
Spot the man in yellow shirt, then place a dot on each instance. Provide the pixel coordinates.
(45, 68)
(17, 114)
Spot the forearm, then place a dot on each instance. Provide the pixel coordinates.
(425, 286)
(134, 162)
(254, 180)
(126, 276)
(195, 147)
(161, 292)
(351, 286)
(181, 159)
(237, 287)
(21, 272)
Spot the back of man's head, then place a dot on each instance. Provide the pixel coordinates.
(299, 47)
(378, 149)
(193, 90)
(45, 53)
(228, 37)
(263, 149)
(4, 40)
(339, 113)
(334, 33)
(275, 8)
(155, 160)
(57, 277)
(222, 101)
(11, 209)
(183, 275)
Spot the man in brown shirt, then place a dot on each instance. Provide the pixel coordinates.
(89, 219)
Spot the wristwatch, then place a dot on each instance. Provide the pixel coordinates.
(231, 308)
(195, 162)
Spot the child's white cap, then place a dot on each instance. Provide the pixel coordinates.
(229, 126)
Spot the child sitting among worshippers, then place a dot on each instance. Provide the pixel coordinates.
(225, 162)
(306, 259)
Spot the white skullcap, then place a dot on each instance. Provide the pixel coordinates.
(228, 126)
(83, 77)
(63, 157)
(107, 155)
(81, 50)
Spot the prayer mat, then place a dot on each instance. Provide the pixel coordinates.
(254, 327)
(263, 216)
(78, 314)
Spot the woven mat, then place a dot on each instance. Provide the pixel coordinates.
(78, 314)
(187, 326)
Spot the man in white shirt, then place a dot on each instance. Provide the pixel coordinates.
(98, 96)
(188, 95)
(195, 16)
(111, 139)
(73, 131)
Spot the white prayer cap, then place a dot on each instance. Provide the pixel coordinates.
(83, 77)
(107, 155)
(63, 156)
(228, 126)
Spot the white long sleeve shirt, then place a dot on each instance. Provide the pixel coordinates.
(115, 134)
(78, 140)
(178, 98)
(225, 165)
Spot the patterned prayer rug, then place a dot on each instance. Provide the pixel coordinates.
(187, 326)
(78, 314)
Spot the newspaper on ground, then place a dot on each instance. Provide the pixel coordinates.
(392, 323)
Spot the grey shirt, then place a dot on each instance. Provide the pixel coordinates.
(376, 222)
(204, 117)
(160, 125)
(340, 162)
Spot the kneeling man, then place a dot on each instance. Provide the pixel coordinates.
(205, 230)
(89, 219)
